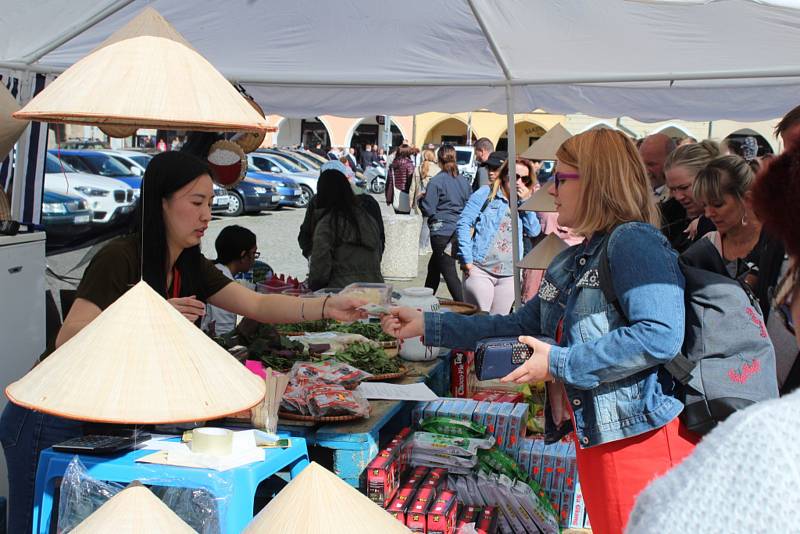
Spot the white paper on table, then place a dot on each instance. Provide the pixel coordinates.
(244, 451)
(386, 391)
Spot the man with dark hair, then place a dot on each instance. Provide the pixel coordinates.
(483, 147)
(789, 129)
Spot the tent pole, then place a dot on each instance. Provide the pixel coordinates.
(512, 188)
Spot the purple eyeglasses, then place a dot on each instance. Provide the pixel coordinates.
(561, 177)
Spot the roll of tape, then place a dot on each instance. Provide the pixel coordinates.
(216, 441)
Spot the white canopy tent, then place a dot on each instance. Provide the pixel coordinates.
(650, 60)
(728, 59)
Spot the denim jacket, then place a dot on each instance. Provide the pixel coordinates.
(472, 249)
(612, 369)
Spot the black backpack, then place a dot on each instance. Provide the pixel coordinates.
(727, 361)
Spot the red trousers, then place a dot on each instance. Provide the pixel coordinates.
(613, 474)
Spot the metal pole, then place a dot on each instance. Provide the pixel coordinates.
(469, 129)
(512, 188)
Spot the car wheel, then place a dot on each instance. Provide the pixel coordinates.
(305, 196)
(235, 204)
(377, 186)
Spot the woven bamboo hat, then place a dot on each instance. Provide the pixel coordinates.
(541, 201)
(319, 502)
(140, 361)
(145, 75)
(546, 146)
(543, 253)
(10, 128)
(134, 510)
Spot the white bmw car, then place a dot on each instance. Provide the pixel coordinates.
(106, 197)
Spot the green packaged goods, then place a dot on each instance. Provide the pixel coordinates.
(499, 462)
(453, 427)
(442, 444)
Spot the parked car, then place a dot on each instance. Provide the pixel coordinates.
(304, 164)
(131, 159)
(288, 189)
(252, 196)
(221, 200)
(65, 215)
(278, 164)
(108, 198)
(465, 158)
(103, 164)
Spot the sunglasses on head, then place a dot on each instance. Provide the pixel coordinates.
(560, 177)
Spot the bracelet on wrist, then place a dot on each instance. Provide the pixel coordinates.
(324, 302)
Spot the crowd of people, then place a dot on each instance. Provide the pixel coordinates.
(641, 212)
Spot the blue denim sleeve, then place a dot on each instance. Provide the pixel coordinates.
(464, 224)
(649, 286)
(530, 223)
(453, 330)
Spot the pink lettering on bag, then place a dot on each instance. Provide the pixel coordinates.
(756, 321)
(740, 376)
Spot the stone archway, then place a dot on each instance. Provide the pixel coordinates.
(764, 145)
(526, 132)
(367, 130)
(450, 130)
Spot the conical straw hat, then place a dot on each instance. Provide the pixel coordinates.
(134, 510)
(10, 129)
(543, 253)
(541, 201)
(547, 145)
(147, 75)
(140, 361)
(319, 502)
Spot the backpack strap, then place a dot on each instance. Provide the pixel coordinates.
(680, 367)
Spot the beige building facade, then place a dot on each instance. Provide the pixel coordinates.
(454, 128)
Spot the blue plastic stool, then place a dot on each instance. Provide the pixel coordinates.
(233, 516)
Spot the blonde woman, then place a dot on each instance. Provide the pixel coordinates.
(606, 371)
(680, 169)
(723, 188)
(427, 170)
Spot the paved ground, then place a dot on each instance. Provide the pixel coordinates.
(276, 232)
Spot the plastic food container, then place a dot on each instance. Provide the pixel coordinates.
(378, 296)
(266, 288)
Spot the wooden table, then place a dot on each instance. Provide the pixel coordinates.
(355, 444)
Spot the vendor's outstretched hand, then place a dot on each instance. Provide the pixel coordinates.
(403, 323)
(344, 308)
(190, 307)
(536, 368)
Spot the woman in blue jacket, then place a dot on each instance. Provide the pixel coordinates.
(485, 243)
(603, 368)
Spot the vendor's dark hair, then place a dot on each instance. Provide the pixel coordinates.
(335, 196)
(232, 241)
(165, 174)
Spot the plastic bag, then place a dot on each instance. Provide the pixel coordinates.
(441, 443)
(329, 400)
(196, 506)
(330, 372)
(307, 397)
(81, 495)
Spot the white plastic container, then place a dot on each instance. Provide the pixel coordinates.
(422, 299)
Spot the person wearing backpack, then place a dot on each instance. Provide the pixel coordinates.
(603, 365)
